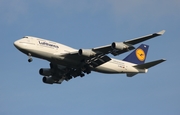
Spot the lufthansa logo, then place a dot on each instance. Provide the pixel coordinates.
(140, 54)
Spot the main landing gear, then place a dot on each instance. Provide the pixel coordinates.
(30, 57)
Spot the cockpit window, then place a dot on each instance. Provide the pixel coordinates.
(25, 37)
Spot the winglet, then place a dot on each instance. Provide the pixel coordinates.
(161, 32)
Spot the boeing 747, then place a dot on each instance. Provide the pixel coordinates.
(67, 63)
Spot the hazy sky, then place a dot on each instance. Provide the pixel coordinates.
(88, 24)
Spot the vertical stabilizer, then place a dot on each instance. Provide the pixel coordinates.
(138, 56)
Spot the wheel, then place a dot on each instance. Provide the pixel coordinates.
(30, 60)
(88, 72)
(51, 66)
(82, 75)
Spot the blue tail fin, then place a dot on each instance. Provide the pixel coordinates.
(138, 56)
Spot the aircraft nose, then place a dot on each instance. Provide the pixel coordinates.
(16, 44)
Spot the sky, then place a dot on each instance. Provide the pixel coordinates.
(88, 24)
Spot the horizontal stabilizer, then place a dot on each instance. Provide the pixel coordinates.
(149, 64)
(131, 74)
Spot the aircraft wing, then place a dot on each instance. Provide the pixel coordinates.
(117, 48)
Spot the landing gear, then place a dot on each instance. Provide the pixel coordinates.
(86, 69)
(82, 74)
(30, 58)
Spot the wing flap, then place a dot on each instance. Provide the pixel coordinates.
(98, 60)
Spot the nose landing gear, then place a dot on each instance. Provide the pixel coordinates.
(30, 58)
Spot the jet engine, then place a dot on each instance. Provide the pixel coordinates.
(45, 71)
(48, 80)
(86, 52)
(121, 46)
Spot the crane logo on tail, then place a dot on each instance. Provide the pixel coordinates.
(140, 54)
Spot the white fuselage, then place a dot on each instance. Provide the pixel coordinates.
(53, 52)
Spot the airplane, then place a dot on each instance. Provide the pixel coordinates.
(67, 63)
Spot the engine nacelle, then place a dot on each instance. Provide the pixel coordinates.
(48, 80)
(86, 52)
(121, 46)
(45, 71)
